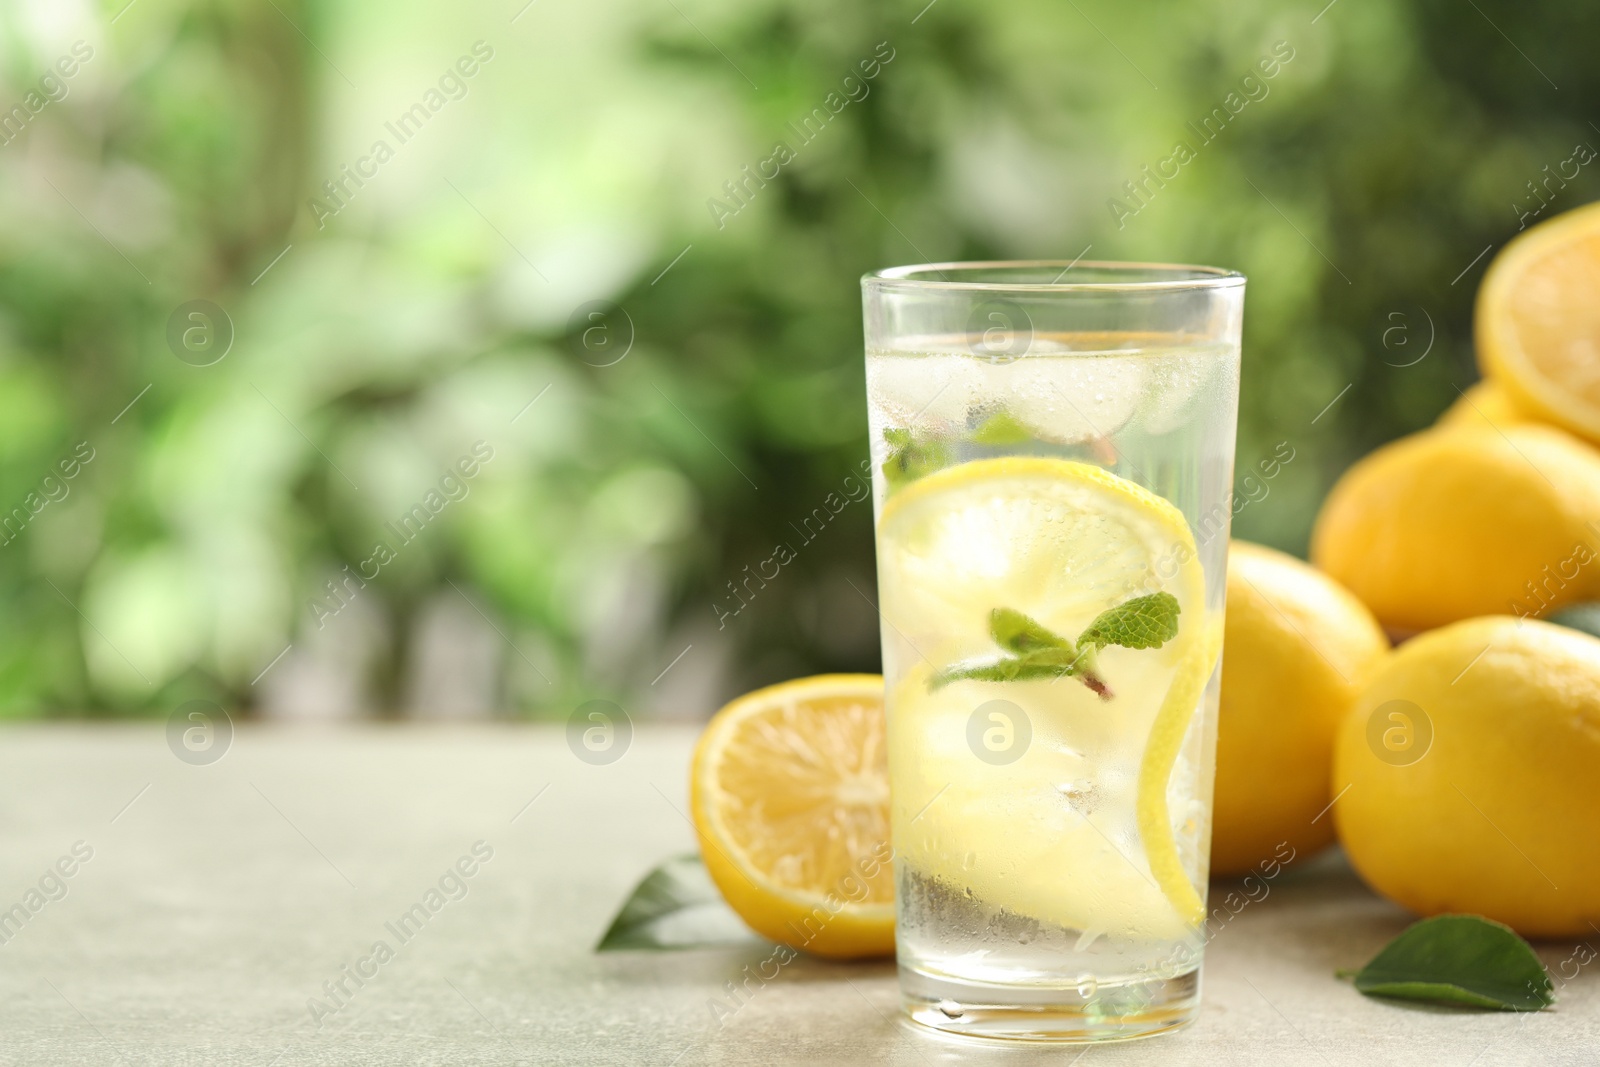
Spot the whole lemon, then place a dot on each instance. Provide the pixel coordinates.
(1463, 521)
(1484, 403)
(1466, 775)
(1297, 647)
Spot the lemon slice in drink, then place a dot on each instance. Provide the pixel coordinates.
(1040, 797)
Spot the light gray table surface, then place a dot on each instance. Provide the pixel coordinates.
(220, 898)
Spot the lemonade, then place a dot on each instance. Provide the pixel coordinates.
(1052, 536)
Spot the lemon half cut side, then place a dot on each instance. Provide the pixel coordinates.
(1537, 322)
(789, 793)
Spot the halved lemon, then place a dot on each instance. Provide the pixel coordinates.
(1098, 823)
(1538, 320)
(790, 797)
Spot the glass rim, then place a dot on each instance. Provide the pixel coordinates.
(1141, 277)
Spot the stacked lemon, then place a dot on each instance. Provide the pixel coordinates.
(1464, 771)
(1495, 508)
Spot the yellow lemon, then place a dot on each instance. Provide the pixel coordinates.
(1466, 776)
(1484, 403)
(1297, 649)
(1452, 523)
(790, 797)
(1538, 322)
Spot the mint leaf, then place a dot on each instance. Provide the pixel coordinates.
(1039, 652)
(1052, 662)
(1001, 428)
(1015, 632)
(1463, 960)
(913, 455)
(1015, 669)
(1143, 622)
(675, 906)
(910, 459)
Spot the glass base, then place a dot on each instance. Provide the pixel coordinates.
(1106, 1011)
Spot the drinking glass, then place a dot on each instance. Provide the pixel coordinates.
(1052, 450)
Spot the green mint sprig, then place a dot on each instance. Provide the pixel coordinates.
(1001, 428)
(1035, 651)
(913, 455)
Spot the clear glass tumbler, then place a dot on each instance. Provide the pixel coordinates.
(1053, 458)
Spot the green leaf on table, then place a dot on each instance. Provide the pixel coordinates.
(675, 907)
(1143, 622)
(1463, 960)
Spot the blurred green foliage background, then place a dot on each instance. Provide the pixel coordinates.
(718, 395)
